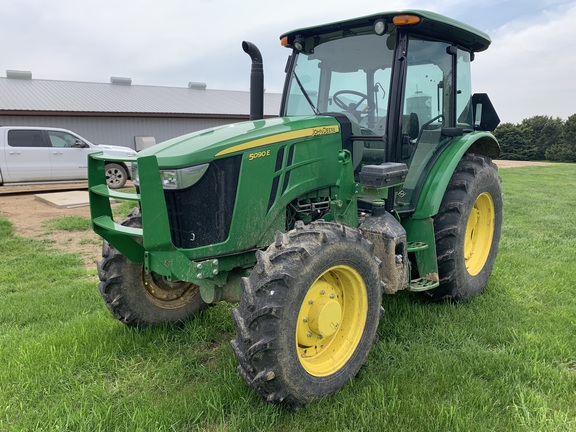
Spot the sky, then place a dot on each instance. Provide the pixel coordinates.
(528, 70)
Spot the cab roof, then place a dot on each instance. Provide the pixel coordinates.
(431, 25)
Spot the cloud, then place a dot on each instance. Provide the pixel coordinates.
(92, 40)
(529, 68)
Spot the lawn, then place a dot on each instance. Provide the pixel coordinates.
(505, 361)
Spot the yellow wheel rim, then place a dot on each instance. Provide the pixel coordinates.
(168, 295)
(479, 233)
(331, 320)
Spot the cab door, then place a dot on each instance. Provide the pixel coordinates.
(27, 156)
(437, 85)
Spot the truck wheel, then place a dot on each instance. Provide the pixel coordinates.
(467, 229)
(116, 175)
(309, 313)
(139, 299)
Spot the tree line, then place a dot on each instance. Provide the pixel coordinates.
(538, 138)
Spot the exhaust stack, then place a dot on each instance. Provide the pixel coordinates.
(256, 81)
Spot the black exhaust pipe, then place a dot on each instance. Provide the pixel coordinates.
(256, 81)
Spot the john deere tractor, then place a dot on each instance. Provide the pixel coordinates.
(376, 177)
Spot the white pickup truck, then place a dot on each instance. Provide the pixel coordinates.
(45, 155)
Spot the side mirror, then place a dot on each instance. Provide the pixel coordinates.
(79, 144)
(485, 116)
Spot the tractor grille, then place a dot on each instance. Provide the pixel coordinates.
(201, 214)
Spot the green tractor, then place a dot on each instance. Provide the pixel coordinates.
(377, 177)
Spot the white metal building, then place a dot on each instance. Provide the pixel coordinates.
(120, 113)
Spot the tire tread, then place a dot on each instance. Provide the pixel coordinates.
(257, 317)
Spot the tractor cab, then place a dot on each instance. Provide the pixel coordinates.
(402, 81)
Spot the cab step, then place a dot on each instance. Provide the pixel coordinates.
(417, 246)
(428, 282)
(422, 284)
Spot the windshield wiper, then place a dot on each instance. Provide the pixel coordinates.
(305, 94)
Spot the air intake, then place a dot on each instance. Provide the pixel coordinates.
(256, 81)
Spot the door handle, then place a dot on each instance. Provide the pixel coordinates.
(14, 152)
(57, 153)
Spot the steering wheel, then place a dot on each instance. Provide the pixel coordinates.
(353, 106)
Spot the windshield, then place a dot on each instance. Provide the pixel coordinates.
(348, 75)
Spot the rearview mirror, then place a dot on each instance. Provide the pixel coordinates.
(485, 116)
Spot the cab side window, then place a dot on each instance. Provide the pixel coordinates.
(26, 138)
(63, 139)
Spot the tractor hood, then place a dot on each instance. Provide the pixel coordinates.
(207, 145)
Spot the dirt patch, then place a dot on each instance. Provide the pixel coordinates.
(28, 214)
(516, 164)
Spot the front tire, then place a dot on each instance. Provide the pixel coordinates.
(309, 313)
(141, 299)
(467, 229)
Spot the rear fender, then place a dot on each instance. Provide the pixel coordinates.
(479, 142)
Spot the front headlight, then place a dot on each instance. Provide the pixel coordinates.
(182, 178)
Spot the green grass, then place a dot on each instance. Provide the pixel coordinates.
(505, 361)
(122, 208)
(68, 223)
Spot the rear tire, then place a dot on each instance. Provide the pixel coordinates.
(140, 299)
(116, 175)
(467, 229)
(309, 313)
